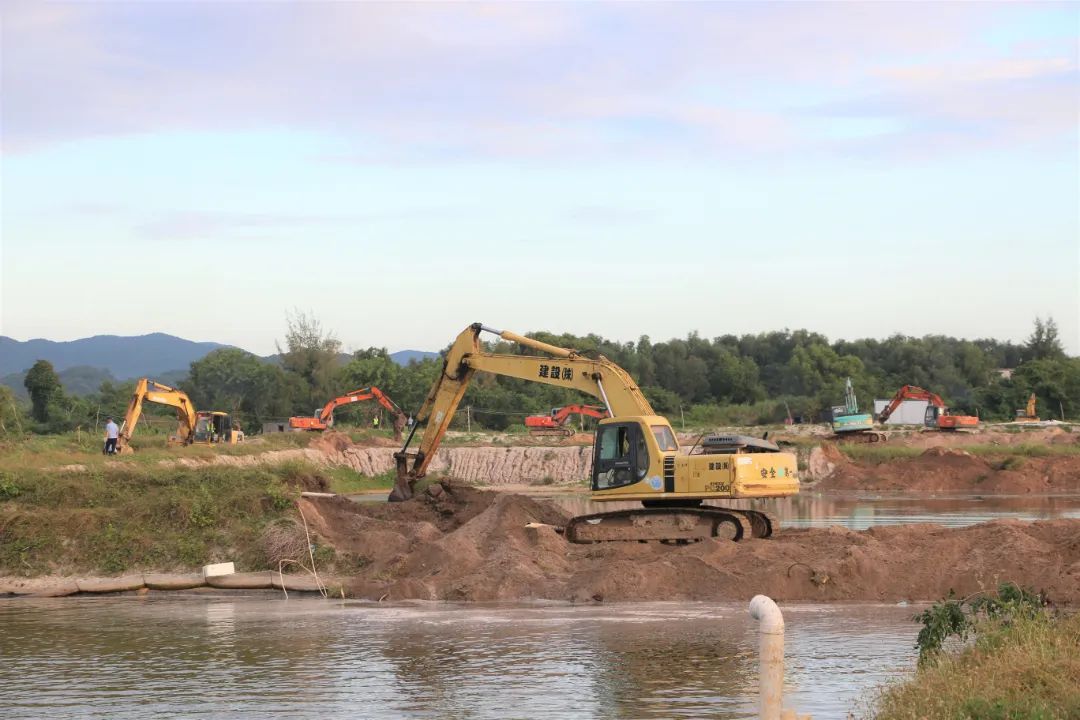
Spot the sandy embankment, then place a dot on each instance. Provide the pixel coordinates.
(945, 470)
(459, 543)
(498, 465)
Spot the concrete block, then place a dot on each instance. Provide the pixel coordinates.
(218, 569)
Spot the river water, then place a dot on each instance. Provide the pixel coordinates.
(250, 657)
(860, 513)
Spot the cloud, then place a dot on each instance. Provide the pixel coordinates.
(404, 82)
(195, 225)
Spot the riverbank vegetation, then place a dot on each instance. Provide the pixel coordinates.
(1023, 662)
(140, 517)
(723, 381)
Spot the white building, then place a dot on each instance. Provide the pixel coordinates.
(910, 412)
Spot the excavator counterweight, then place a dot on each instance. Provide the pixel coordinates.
(636, 456)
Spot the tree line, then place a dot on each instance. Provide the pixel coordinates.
(747, 379)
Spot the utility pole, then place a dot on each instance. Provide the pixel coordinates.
(468, 418)
(682, 416)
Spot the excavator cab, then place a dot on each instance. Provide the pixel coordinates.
(214, 427)
(621, 455)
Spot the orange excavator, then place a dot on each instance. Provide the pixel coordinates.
(324, 416)
(937, 415)
(555, 422)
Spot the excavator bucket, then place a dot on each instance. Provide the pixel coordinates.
(403, 484)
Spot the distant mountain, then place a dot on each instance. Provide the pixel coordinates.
(79, 380)
(84, 364)
(404, 357)
(84, 380)
(122, 357)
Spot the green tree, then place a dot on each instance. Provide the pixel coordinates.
(313, 355)
(1044, 343)
(43, 384)
(240, 383)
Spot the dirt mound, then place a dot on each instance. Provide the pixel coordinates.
(824, 460)
(458, 543)
(331, 442)
(945, 470)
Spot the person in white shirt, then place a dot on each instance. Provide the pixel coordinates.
(112, 432)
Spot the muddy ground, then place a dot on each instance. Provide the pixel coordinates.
(460, 543)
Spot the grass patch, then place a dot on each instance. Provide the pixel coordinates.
(126, 518)
(1024, 663)
(1024, 450)
(345, 481)
(1025, 669)
(31, 452)
(878, 453)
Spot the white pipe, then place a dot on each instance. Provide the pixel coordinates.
(770, 656)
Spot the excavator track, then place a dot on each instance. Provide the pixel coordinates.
(761, 524)
(668, 525)
(563, 432)
(860, 437)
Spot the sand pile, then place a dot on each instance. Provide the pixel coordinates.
(944, 470)
(457, 543)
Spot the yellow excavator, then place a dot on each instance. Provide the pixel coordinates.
(636, 456)
(195, 427)
(1028, 414)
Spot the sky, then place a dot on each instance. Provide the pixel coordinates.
(401, 170)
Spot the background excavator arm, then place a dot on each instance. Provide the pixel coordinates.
(598, 377)
(150, 391)
(558, 416)
(910, 392)
(368, 393)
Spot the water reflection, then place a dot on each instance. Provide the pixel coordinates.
(246, 657)
(810, 510)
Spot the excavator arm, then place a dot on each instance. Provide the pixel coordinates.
(324, 417)
(910, 392)
(149, 391)
(557, 418)
(368, 393)
(561, 367)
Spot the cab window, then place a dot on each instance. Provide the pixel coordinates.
(665, 438)
(621, 457)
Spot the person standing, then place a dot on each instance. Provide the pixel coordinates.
(112, 432)
(375, 422)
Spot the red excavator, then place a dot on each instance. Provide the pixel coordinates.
(937, 415)
(555, 423)
(324, 417)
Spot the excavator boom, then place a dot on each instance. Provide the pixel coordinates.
(566, 368)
